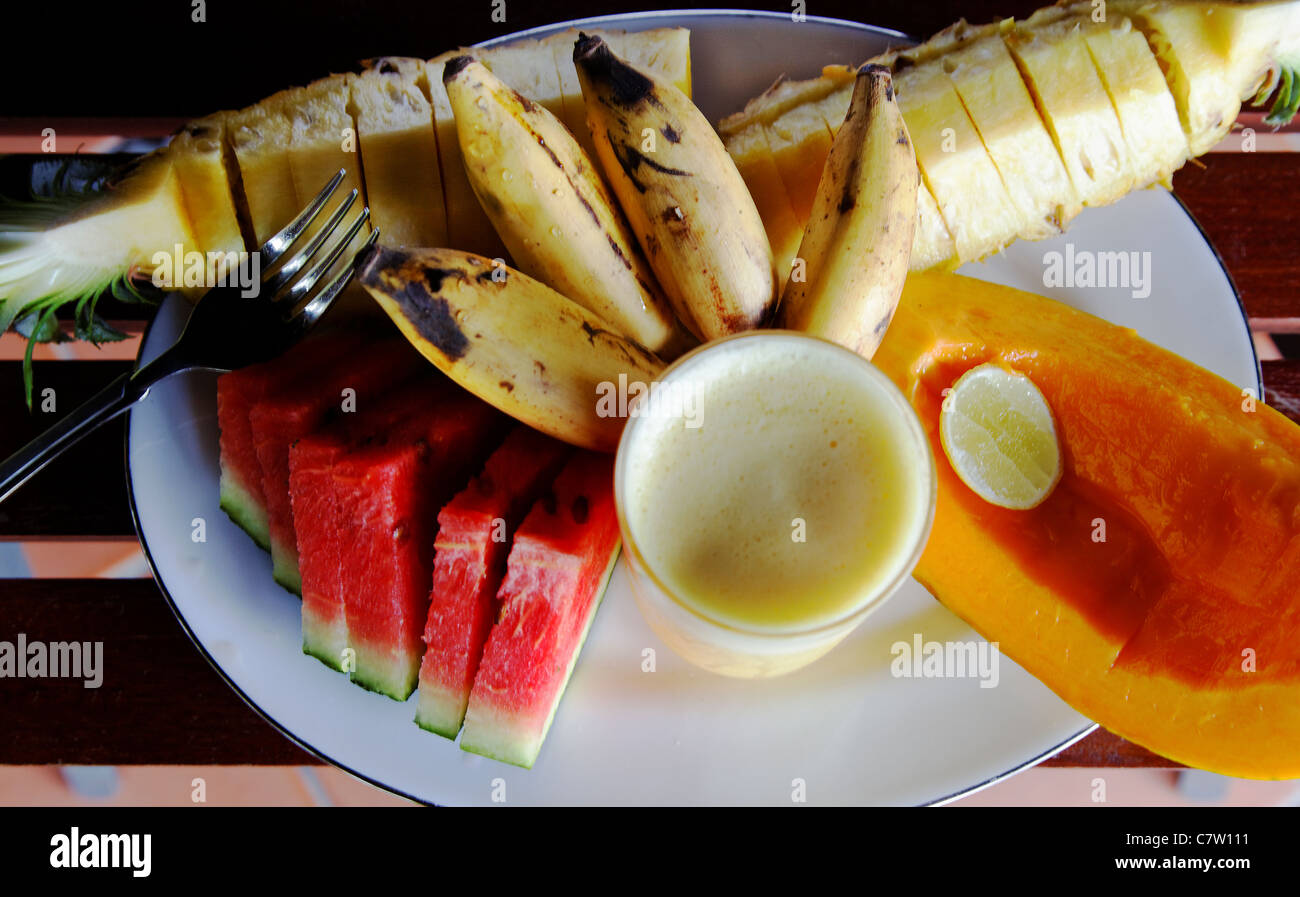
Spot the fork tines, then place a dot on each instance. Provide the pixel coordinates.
(296, 292)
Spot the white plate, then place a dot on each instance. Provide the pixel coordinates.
(852, 733)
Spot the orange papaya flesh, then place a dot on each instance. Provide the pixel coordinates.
(1157, 589)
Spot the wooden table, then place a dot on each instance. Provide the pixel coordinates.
(163, 704)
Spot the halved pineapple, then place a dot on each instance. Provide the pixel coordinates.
(1057, 67)
(971, 197)
(259, 137)
(1004, 114)
(400, 152)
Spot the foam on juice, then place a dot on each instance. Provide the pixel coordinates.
(790, 503)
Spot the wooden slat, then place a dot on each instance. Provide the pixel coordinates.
(160, 701)
(1246, 204)
(82, 493)
(1104, 748)
(1282, 386)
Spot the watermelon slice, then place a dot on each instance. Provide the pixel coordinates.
(558, 569)
(242, 497)
(468, 564)
(368, 491)
(319, 523)
(282, 419)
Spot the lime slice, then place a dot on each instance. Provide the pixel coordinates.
(1000, 437)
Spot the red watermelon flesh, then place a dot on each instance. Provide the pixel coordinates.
(320, 522)
(559, 566)
(367, 543)
(305, 406)
(242, 497)
(468, 564)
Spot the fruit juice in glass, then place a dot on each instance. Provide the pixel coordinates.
(780, 490)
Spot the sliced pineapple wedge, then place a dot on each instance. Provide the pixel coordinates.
(753, 157)
(800, 142)
(323, 140)
(973, 201)
(665, 52)
(1058, 69)
(1128, 70)
(259, 137)
(322, 137)
(399, 150)
(199, 156)
(468, 227)
(517, 64)
(994, 95)
(932, 246)
(574, 109)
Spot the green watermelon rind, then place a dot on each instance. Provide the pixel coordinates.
(490, 739)
(244, 510)
(396, 680)
(440, 710)
(284, 568)
(324, 641)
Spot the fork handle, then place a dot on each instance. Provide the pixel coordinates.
(107, 404)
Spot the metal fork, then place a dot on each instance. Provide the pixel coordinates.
(225, 331)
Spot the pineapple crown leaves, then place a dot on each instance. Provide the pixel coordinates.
(22, 223)
(1283, 84)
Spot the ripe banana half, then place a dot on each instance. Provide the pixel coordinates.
(509, 339)
(858, 241)
(545, 197)
(687, 203)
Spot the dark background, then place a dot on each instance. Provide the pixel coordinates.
(106, 58)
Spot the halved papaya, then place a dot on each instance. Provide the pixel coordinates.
(1157, 589)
